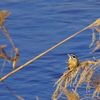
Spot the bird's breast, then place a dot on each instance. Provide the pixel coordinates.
(72, 63)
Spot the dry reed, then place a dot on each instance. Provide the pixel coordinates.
(83, 74)
(96, 23)
(70, 95)
(75, 78)
(3, 54)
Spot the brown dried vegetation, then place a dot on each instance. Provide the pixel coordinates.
(85, 73)
(76, 78)
(3, 54)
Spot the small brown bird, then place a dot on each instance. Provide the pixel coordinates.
(72, 61)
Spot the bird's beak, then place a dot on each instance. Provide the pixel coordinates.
(69, 56)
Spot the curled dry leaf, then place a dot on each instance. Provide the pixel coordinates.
(3, 53)
(15, 58)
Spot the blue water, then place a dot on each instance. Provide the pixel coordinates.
(37, 25)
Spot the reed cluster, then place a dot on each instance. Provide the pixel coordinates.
(82, 75)
(86, 74)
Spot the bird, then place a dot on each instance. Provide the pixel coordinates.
(72, 61)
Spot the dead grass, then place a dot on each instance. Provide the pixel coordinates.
(75, 78)
(70, 95)
(83, 74)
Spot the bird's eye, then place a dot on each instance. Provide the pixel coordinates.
(74, 56)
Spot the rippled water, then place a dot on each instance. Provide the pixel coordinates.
(37, 25)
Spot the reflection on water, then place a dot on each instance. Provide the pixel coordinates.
(35, 26)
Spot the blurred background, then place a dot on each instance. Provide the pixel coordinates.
(37, 25)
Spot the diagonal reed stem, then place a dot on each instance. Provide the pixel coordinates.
(22, 66)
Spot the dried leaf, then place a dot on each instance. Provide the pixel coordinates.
(2, 20)
(3, 53)
(3, 15)
(15, 58)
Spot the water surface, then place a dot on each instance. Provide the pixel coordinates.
(37, 25)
